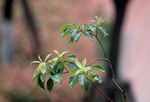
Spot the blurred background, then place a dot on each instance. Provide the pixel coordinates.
(29, 27)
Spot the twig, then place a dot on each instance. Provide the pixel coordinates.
(102, 92)
(110, 65)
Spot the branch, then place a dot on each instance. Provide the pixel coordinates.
(102, 92)
(110, 65)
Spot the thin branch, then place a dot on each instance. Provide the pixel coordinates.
(102, 92)
(110, 65)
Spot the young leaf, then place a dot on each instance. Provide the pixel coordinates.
(89, 34)
(72, 71)
(40, 58)
(47, 57)
(56, 52)
(38, 62)
(84, 62)
(97, 68)
(78, 63)
(42, 67)
(40, 83)
(73, 81)
(63, 53)
(50, 84)
(71, 57)
(77, 72)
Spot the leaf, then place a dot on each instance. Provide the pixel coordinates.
(77, 72)
(84, 62)
(56, 52)
(53, 61)
(65, 33)
(89, 34)
(104, 32)
(40, 58)
(50, 84)
(71, 57)
(36, 74)
(63, 53)
(97, 68)
(84, 82)
(82, 79)
(42, 67)
(78, 63)
(72, 71)
(96, 78)
(59, 67)
(42, 76)
(57, 77)
(73, 81)
(72, 65)
(73, 33)
(40, 83)
(64, 27)
(47, 57)
(92, 27)
(35, 62)
(77, 36)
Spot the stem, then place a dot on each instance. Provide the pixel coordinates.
(102, 92)
(110, 65)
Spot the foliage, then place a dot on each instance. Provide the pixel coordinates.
(54, 68)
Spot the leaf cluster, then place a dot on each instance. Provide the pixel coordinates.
(54, 68)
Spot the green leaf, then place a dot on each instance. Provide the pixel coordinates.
(89, 34)
(64, 27)
(57, 77)
(72, 71)
(87, 85)
(65, 33)
(78, 63)
(82, 79)
(40, 58)
(59, 67)
(50, 84)
(73, 33)
(72, 65)
(97, 68)
(40, 83)
(92, 27)
(71, 57)
(77, 36)
(36, 74)
(96, 78)
(73, 81)
(47, 57)
(104, 31)
(84, 82)
(42, 76)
